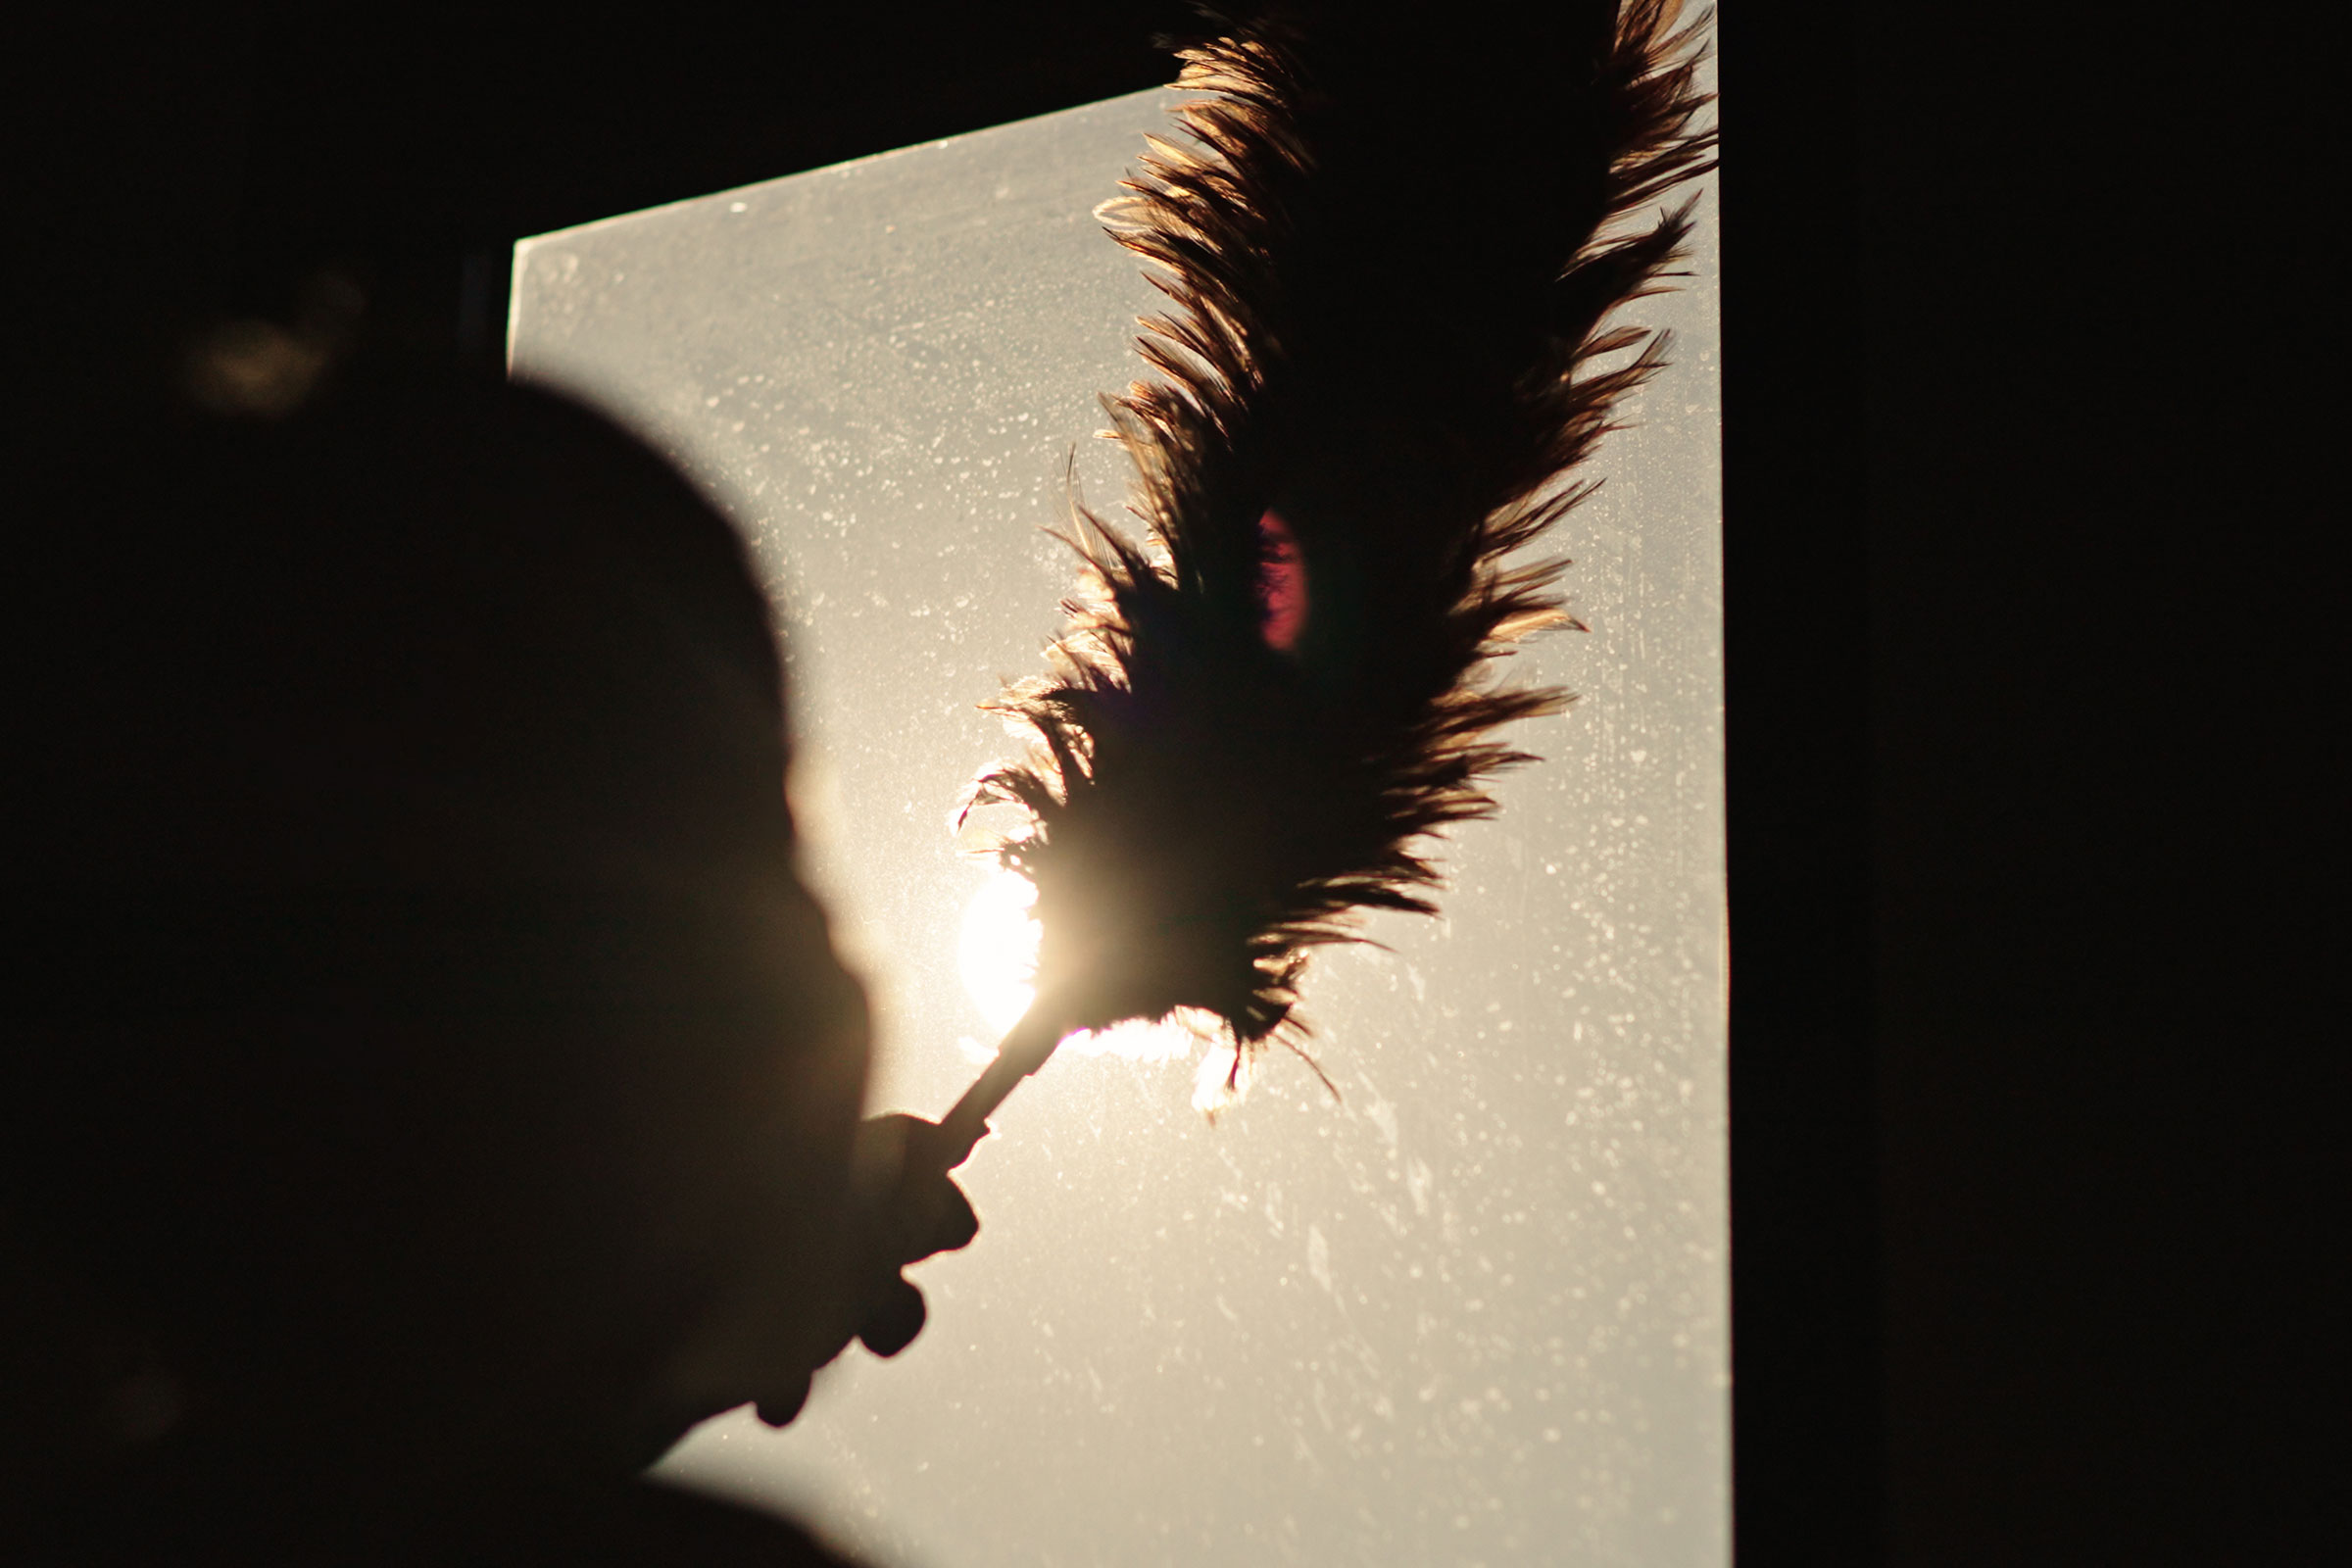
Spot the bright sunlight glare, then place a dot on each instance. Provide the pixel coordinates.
(996, 955)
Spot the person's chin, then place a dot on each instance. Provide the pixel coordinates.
(778, 1406)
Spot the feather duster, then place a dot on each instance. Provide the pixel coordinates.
(1390, 248)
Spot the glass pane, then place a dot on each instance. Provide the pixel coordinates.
(1474, 1312)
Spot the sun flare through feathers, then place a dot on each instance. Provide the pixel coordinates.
(1391, 250)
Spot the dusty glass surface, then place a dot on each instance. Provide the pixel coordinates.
(1474, 1312)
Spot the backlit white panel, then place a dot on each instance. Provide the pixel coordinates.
(1474, 1311)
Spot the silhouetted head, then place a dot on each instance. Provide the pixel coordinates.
(422, 1026)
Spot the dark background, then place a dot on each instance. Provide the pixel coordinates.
(2033, 660)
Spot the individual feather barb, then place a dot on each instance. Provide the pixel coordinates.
(1390, 251)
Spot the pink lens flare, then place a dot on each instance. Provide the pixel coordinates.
(1281, 584)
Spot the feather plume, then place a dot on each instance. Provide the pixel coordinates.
(1389, 250)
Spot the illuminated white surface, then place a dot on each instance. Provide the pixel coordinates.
(1475, 1312)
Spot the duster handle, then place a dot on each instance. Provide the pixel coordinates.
(1028, 1048)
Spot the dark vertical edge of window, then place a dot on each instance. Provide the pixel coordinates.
(1808, 1484)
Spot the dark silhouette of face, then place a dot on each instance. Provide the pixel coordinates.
(431, 1045)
